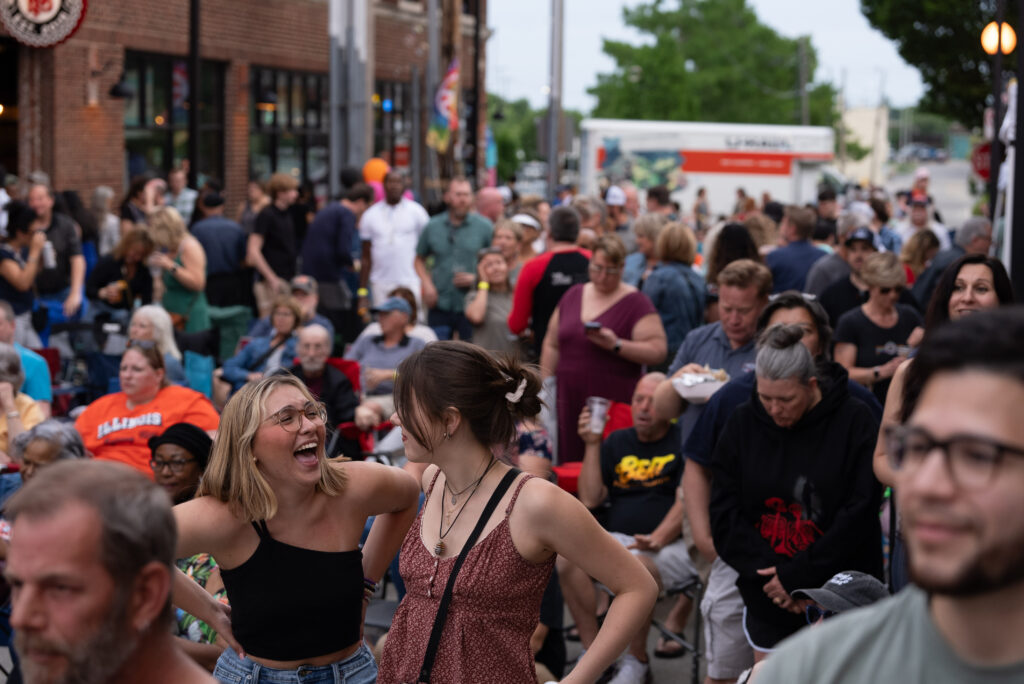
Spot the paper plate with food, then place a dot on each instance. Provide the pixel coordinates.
(697, 387)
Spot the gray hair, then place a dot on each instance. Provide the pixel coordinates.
(100, 196)
(315, 329)
(848, 222)
(781, 355)
(649, 226)
(974, 227)
(163, 331)
(590, 206)
(135, 514)
(63, 435)
(10, 366)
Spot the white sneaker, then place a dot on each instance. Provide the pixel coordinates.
(631, 671)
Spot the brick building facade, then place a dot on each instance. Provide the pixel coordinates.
(68, 124)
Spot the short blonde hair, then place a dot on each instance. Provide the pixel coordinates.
(649, 226)
(232, 475)
(677, 243)
(612, 246)
(167, 228)
(512, 227)
(281, 182)
(883, 270)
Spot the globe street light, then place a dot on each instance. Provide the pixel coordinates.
(994, 40)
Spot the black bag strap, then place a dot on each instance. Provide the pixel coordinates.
(446, 597)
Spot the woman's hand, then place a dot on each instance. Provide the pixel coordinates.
(254, 376)
(375, 376)
(603, 337)
(161, 260)
(777, 593)
(7, 397)
(583, 427)
(38, 240)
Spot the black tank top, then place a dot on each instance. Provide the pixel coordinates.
(290, 603)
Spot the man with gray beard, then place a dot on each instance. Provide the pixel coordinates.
(90, 565)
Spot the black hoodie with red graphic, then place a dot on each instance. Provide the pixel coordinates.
(803, 499)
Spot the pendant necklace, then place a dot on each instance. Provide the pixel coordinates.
(439, 547)
(456, 494)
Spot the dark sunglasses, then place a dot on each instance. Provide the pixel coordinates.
(814, 613)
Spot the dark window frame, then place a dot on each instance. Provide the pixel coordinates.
(163, 67)
(270, 124)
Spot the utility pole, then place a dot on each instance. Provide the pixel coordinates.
(348, 27)
(335, 87)
(193, 94)
(805, 111)
(842, 123)
(555, 95)
(997, 97)
(472, 148)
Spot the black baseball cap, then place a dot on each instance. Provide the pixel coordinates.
(846, 590)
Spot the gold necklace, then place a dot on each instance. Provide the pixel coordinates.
(439, 547)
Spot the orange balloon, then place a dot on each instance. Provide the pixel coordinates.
(375, 169)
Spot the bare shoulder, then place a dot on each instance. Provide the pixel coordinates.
(206, 524)
(377, 488)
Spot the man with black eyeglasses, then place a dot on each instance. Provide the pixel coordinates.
(959, 464)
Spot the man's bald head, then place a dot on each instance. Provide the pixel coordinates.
(489, 203)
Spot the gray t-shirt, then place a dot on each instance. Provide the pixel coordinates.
(709, 345)
(824, 272)
(892, 641)
(370, 352)
(493, 334)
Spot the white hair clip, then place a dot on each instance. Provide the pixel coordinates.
(514, 397)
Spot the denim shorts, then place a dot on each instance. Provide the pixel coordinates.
(358, 668)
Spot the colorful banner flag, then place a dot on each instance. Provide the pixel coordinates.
(446, 110)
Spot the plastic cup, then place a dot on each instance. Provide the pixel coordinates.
(598, 413)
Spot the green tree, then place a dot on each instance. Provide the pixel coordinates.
(942, 39)
(514, 124)
(708, 61)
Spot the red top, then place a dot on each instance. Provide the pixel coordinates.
(494, 610)
(529, 277)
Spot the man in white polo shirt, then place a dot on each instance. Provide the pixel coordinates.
(389, 231)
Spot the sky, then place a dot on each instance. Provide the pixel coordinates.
(847, 46)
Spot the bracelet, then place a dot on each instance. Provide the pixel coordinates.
(483, 285)
(362, 292)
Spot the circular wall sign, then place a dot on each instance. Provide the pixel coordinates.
(42, 23)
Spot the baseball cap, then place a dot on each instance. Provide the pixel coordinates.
(213, 199)
(304, 283)
(393, 304)
(861, 233)
(615, 197)
(921, 173)
(846, 590)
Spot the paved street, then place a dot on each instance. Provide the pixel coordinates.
(948, 187)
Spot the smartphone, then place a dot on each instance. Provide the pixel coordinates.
(591, 325)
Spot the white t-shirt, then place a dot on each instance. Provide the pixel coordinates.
(4, 199)
(905, 230)
(393, 231)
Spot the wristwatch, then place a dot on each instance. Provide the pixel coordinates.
(618, 346)
(875, 371)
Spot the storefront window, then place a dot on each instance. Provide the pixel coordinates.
(289, 126)
(156, 118)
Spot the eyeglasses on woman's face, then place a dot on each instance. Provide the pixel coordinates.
(290, 417)
(177, 465)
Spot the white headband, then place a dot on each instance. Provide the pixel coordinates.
(526, 220)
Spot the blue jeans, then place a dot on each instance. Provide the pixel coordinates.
(358, 668)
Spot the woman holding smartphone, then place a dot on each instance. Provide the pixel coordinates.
(599, 339)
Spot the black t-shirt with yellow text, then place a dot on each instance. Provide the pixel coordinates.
(641, 477)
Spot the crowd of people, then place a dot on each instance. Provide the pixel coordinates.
(736, 411)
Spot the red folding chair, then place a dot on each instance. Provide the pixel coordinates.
(620, 415)
(368, 439)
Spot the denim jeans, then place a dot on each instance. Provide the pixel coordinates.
(358, 668)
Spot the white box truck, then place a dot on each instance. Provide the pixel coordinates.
(786, 161)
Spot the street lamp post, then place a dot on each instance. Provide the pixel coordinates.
(997, 39)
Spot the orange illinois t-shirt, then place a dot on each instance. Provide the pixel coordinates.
(113, 432)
